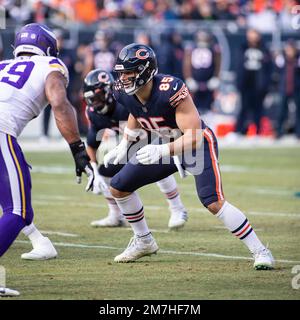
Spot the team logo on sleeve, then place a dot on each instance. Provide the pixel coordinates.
(142, 54)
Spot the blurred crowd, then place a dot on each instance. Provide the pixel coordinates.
(261, 72)
(263, 14)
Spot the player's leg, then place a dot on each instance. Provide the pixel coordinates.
(168, 187)
(12, 221)
(210, 192)
(123, 185)
(43, 248)
(115, 217)
(15, 200)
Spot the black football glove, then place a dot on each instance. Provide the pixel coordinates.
(82, 163)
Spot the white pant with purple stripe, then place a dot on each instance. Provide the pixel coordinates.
(15, 191)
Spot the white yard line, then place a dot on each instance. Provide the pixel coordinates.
(63, 234)
(224, 168)
(275, 214)
(180, 253)
(190, 190)
(52, 169)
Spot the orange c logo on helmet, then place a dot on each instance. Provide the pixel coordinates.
(103, 77)
(142, 54)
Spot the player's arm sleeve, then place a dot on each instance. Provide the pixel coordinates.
(178, 92)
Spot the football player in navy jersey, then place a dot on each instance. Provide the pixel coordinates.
(156, 102)
(103, 112)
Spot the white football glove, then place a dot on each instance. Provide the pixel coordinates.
(151, 153)
(99, 185)
(117, 153)
(90, 175)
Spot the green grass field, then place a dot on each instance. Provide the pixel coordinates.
(261, 182)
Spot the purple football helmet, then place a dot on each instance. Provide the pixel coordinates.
(37, 39)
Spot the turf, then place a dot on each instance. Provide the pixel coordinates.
(264, 183)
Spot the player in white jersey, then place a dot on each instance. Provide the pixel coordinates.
(28, 83)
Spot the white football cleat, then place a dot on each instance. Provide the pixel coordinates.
(109, 222)
(6, 292)
(43, 250)
(177, 219)
(263, 260)
(137, 248)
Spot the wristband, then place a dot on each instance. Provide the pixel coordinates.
(132, 133)
(77, 147)
(165, 150)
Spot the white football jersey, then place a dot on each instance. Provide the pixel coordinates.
(22, 90)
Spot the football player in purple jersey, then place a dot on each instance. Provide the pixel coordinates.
(28, 83)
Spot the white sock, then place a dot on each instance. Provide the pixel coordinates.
(32, 233)
(237, 223)
(114, 210)
(168, 186)
(132, 208)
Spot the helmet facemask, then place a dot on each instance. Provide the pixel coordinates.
(138, 59)
(99, 99)
(141, 78)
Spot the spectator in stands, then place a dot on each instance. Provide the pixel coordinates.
(80, 72)
(185, 10)
(170, 53)
(288, 14)
(203, 11)
(201, 70)
(264, 20)
(129, 11)
(100, 55)
(224, 10)
(178, 55)
(143, 37)
(19, 11)
(165, 10)
(253, 78)
(289, 85)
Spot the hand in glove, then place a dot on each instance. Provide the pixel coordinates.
(99, 185)
(116, 154)
(151, 153)
(82, 163)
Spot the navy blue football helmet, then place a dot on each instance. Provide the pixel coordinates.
(140, 59)
(97, 91)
